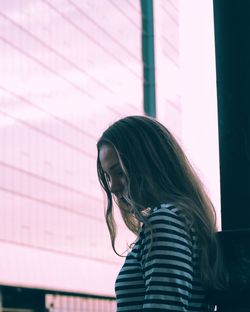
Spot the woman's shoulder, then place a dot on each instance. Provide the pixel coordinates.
(166, 212)
(168, 219)
(166, 225)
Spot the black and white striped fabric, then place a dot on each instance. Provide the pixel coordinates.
(162, 275)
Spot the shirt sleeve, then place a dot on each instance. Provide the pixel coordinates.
(166, 263)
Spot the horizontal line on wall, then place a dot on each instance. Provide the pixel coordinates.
(170, 16)
(52, 137)
(124, 14)
(81, 11)
(65, 253)
(173, 6)
(41, 178)
(47, 203)
(170, 44)
(58, 54)
(69, 21)
(57, 118)
(45, 66)
(134, 7)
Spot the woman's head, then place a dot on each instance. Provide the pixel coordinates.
(150, 162)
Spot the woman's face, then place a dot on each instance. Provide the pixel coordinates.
(114, 174)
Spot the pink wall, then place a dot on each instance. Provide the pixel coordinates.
(68, 68)
(198, 94)
(167, 63)
(186, 84)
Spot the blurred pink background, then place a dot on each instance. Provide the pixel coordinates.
(69, 68)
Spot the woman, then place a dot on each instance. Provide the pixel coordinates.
(175, 257)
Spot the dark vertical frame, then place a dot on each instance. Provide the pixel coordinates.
(148, 58)
(232, 42)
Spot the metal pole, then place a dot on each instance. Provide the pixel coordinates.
(148, 58)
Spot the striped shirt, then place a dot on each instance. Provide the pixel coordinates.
(162, 275)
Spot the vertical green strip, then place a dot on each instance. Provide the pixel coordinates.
(148, 58)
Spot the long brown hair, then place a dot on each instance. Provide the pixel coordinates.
(158, 171)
